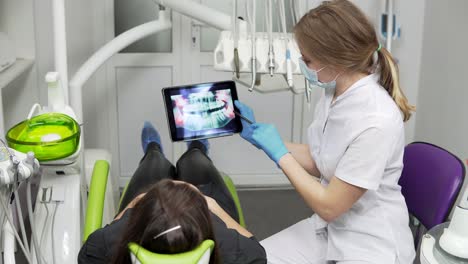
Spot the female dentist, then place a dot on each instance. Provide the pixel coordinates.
(355, 148)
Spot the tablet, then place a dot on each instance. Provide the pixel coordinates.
(200, 111)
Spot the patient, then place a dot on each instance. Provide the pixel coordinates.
(164, 212)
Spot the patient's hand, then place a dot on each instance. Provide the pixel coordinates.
(213, 205)
(225, 217)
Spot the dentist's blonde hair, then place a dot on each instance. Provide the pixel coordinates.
(337, 33)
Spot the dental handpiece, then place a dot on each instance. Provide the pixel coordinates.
(289, 75)
(271, 59)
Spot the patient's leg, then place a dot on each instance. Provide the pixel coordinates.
(197, 168)
(153, 167)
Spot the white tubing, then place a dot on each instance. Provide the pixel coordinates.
(253, 61)
(13, 230)
(271, 52)
(289, 77)
(234, 21)
(389, 25)
(52, 230)
(35, 108)
(21, 222)
(254, 29)
(202, 13)
(8, 243)
(60, 44)
(33, 224)
(104, 53)
(41, 239)
(270, 21)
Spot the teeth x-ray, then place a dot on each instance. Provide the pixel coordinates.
(202, 110)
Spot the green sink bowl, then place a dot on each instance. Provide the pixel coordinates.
(50, 136)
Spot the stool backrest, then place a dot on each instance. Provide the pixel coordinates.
(431, 181)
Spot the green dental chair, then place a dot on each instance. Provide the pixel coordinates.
(93, 221)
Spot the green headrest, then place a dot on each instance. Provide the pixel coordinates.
(192, 257)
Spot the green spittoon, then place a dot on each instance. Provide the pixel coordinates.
(50, 136)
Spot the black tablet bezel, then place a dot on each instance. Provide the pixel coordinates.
(169, 91)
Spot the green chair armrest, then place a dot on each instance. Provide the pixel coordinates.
(232, 189)
(192, 257)
(97, 191)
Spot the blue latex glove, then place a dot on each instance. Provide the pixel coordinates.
(247, 128)
(263, 136)
(267, 137)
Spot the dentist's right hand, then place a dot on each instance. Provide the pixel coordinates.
(263, 136)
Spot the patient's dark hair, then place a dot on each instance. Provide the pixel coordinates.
(168, 204)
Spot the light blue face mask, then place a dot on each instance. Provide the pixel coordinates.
(312, 77)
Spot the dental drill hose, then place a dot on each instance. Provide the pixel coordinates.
(271, 52)
(33, 227)
(21, 222)
(235, 38)
(289, 76)
(15, 233)
(52, 231)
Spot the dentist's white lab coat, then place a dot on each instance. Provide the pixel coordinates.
(358, 138)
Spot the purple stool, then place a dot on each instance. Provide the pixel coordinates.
(430, 182)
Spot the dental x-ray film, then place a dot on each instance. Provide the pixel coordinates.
(201, 110)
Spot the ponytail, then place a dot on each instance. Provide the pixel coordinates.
(389, 79)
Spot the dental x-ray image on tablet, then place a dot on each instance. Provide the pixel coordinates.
(201, 110)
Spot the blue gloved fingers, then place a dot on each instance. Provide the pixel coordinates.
(267, 137)
(248, 132)
(245, 111)
(247, 128)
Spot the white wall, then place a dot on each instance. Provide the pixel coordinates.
(442, 108)
(442, 118)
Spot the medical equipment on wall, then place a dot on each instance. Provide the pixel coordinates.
(453, 241)
(7, 52)
(243, 51)
(389, 23)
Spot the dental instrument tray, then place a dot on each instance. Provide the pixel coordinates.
(200, 111)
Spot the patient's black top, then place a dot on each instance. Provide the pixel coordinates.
(194, 167)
